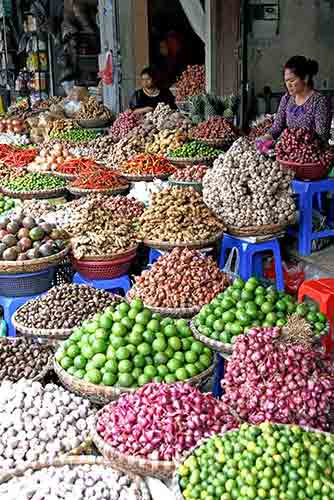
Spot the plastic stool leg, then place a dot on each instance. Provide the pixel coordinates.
(218, 376)
(258, 265)
(305, 225)
(154, 255)
(123, 282)
(278, 266)
(222, 257)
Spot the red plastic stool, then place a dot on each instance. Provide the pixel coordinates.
(322, 292)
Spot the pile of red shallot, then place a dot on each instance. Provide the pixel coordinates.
(301, 145)
(216, 128)
(12, 125)
(194, 173)
(124, 207)
(182, 278)
(161, 421)
(123, 125)
(191, 82)
(267, 379)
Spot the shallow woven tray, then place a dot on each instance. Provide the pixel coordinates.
(102, 395)
(145, 467)
(215, 143)
(215, 345)
(51, 334)
(68, 177)
(196, 185)
(83, 192)
(34, 265)
(143, 178)
(256, 230)
(95, 123)
(165, 245)
(74, 461)
(191, 161)
(37, 195)
(174, 312)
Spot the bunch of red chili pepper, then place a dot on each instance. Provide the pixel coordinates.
(17, 157)
(147, 164)
(78, 166)
(101, 178)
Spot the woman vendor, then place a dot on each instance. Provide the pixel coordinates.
(302, 106)
(149, 96)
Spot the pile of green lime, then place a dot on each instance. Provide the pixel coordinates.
(275, 462)
(6, 203)
(128, 346)
(244, 305)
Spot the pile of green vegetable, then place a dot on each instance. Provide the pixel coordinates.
(75, 135)
(244, 305)
(274, 462)
(6, 204)
(128, 346)
(195, 149)
(34, 181)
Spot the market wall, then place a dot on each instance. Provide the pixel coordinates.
(305, 27)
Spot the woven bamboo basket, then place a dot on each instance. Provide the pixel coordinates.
(32, 266)
(196, 185)
(68, 177)
(111, 192)
(213, 344)
(219, 143)
(165, 245)
(143, 178)
(256, 230)
(160, 469)
(74, 461)
(37, 195)
(191, 161)
(173, 312)
(101, 395)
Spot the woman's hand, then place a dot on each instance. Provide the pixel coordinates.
(142, 111)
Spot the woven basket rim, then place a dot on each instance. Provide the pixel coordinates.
(194, 244)
(41, 194)
(139, 464)
(298, 164)
(73, 461)
(217, 141)
(216, 345)
(106, 258)
(119, 190)
(179, 312)
(27, 266)
(147, 178)
(69, 177)
(98, 122)
(198, 159)
(256, 230)
(108, 393)
(184, 183)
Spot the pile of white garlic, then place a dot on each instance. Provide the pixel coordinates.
(39, 423)
(93, 482)
(245, 188)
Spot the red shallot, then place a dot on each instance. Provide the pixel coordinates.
(161, 421)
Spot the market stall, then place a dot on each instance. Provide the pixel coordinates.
(119, 369)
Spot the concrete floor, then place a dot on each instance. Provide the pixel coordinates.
(318, 263)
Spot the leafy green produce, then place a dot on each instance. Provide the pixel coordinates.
(34, 182)
(195, 149)
(269, 461)
(244, 305)
(128, 346)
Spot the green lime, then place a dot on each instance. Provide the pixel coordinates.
(191, 357)
(144, 317)
(228, 317)
(150, 371)
(102, 334)
(266, 307)
(173, 365)
(153, 325)
(162, 370)
(128, 323)
(117, 342)
(73, 351)
(260, 290)
(79, 374)
(143, 379)
(66, 362)
(170, 330)
(302, 310)
(79, 362)
(99, 360)
(197, 347)
(181, 374)
(106, 321)
(136, 372)
(137, 304)
(175, 343)
(109, 379)
(99, 346)
(94, 376)
(111, 366)
(125, 380)
(135, 338)
(125, 366)
(87, 351)
(238, 283)
(139, 361)
(170, 379)
(119, 330)
(160, 344)
(122, 353)
(124, 307)
(281, 305)
(144, 349)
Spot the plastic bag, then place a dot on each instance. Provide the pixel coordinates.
(293, 272)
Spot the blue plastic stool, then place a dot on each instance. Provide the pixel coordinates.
(122, 283)
(306, 191)
(10, 306)
(251, 260)
(218, 376)
(154, 255)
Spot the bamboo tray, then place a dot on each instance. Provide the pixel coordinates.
(37, 195)
(102, 395)
(215, 345)
(84, 192)
(143, 178)
(165, 245)
(265, 230)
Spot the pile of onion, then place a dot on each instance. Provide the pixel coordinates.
(161, 421)
(123, 125)
(267, 379)
(49, 158)
(13, 126)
